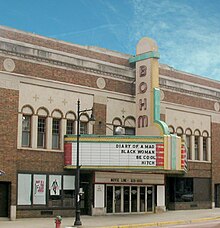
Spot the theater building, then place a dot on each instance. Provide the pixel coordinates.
(165, 114)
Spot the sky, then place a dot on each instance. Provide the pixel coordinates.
(187, 31)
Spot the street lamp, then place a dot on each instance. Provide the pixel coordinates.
(77, 179)
(2, 173)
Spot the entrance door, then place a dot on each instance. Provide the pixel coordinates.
(109, 199)
(129, 199)
(126, 199)
(150, 199)
(142, 199)
(134, 199)
(217, 195)
(117, 199)
(84, 199)
(4, 193)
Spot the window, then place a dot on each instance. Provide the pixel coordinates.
(205, 156)
(179, 132)
(45, 190)
(70, 127)
(55, 187)
(188, 146)
(129, 126)
(41, 132)
(56, 134)
(171, 129)
(129, 131)
(196, 146)
(181, 189)
(26, 130)
(83, 127)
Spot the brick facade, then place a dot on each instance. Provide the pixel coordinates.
(67, 82)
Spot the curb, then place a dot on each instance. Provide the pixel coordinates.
(164, 223)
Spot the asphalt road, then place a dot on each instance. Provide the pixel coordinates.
(206, 224)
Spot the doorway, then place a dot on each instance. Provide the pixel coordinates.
(217, 195)
(129, 199)
(4, 199)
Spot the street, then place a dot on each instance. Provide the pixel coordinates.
(206, 224)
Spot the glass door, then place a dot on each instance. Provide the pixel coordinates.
(142, 199)
(117, 199)
(133, 199)
(126, 199)
(109, 199)
(129, 199)
(150, 199)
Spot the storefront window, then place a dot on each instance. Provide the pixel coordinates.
(35, 190)
(183, 189)
(55, 191)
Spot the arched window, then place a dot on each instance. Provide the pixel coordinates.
(197, 144)
(70, 123)
(129, 125)
(41, 127)
(56, 129)
(116, 123)
(27, 113)
(205, 135)
(171, 129)
(84, 121)
(179, 132)
(188, 133)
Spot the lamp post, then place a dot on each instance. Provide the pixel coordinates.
(2, 173)
(77, 179)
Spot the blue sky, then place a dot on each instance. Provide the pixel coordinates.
(187, 31)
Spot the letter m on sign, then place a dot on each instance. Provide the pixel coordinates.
(142, 121)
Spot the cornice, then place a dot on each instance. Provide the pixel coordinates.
(53, 58)
(189, 89)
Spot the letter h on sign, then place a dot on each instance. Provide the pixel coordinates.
(142, 104)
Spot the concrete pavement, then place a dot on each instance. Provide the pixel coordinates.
(121, 221)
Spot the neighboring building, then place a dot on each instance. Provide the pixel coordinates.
(41, 80)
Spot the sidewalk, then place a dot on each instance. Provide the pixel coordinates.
(120, 221)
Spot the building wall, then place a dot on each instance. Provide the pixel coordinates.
(8, 136)
(40, 73)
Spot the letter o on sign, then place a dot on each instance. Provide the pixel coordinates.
(142, 87)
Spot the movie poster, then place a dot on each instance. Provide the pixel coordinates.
(55, 185)
(39, 189)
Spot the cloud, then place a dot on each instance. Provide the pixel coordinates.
(187, 41)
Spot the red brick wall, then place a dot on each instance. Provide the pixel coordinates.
(8, 137)
(186, 77)
(191, 101)
(60, 46)
(215, 155)
(100, 115)
(199, 169)
(40, 161)
(69, 76)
